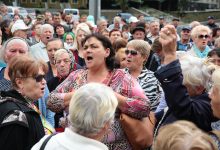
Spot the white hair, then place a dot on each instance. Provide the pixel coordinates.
(91, 107)
(196, 72)
(10, 41)
(46, 26)
(216, 78)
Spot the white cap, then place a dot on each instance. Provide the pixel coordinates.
(133, 19)
(18, 25)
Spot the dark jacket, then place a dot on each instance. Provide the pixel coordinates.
(20, 125)
(196, 109)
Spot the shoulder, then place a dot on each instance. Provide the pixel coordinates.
(15, 117)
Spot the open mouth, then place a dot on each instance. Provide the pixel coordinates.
(128, 60)
(89, 58)
(48, 37)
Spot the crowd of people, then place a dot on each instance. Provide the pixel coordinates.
(65, 83)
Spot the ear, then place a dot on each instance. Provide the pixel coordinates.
(107, 52)
(19, 83)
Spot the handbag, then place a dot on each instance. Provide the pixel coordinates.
(138, 132)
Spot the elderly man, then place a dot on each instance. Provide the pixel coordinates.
(52, 46)
(116, 24)
(101, 25)
(153, 30)
(38, 50)
(184, 44)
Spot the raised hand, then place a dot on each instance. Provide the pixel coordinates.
(168, 37)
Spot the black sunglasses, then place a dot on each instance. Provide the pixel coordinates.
(203, 36)
(39, 77)
(132, 52)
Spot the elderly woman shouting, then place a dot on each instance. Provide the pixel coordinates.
(20, 123)
(99, 58)
(184, 83)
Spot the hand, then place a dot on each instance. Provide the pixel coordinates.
(167, 38)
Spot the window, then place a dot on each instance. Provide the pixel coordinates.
(23, 1)
(52, 1)
(33, 1)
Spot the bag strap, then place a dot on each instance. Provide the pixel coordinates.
(46, 141)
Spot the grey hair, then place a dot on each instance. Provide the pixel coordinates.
(140, 45)
(196, 72)
(11, 40)
(198, 29)
(99, 21)
(91, 107)
(46, 26)
(117, 19)
(216, 78)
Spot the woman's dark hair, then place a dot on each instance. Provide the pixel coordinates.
(114, 30)
(110, 60)
(215, 51)
(214, 31)
(5, 24)
(119, 43)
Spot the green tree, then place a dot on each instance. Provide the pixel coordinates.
(123, 4)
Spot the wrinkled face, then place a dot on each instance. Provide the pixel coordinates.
(115, 35)
(185, 34)
(154, 28)
(103, 25)
(215, 101)
(52, 47)
(95, 54)
(134, 59)
(60, 31)
(46, 35)
(69, 39)
(15, 49)
(140, 35)
(63, 64)
(201, 40)
(121, 57)
(32, 87)
(20, 33)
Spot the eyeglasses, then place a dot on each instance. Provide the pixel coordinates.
(39, 77)
(203, 36)
(132, 52)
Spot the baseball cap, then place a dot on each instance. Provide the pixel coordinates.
(186, 28)
(175, 19)
(210, 17)
(133, 19)
(161, 17)
(138, 28)
(18, 25)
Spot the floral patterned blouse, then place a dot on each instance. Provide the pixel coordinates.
(137, 104)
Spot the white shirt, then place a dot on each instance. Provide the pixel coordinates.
(69, 140)
(39, 51)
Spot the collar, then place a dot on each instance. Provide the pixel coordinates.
(199, 53)
(42, 45)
